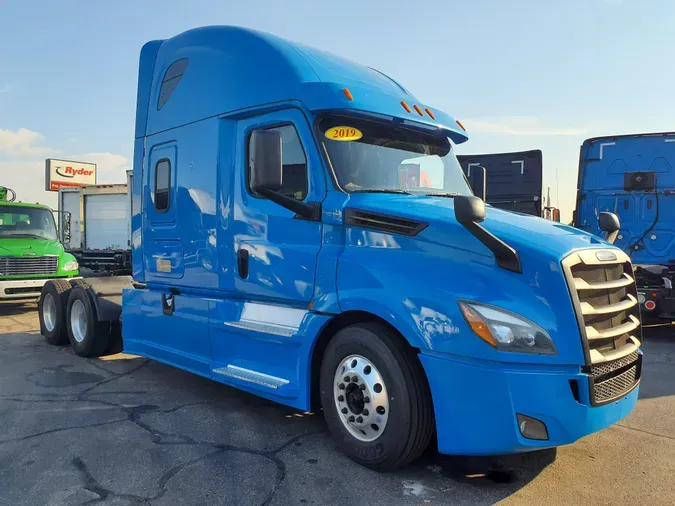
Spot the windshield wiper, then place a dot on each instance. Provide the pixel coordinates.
(23, 236)
(442, 194)
(383, 190)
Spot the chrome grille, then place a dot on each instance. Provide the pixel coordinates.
(606, 303)
(28, 266)
(604, 295)
(609, 367)
(616, 386)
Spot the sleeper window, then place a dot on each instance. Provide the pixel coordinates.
(294, 178)
(171, 79)
(162, 185)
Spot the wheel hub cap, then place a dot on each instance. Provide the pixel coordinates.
(361, 398)
(78, 321)
(49, 312)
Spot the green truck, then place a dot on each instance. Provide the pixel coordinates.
(30, 251)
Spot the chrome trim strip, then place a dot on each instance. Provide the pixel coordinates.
(251, 376)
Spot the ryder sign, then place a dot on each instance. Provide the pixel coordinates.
(68, 174)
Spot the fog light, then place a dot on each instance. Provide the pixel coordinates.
(531, 428)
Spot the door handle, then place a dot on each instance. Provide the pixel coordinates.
(242, 263)
(168, 306)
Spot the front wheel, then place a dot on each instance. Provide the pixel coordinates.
(375, 397)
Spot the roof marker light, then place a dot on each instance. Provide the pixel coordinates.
(419, 111)
(431, 114)
(406, 106)
(348, 94)
(460, 125)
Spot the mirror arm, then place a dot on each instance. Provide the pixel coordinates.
(310, 212)
(611, 236)
(507, 257)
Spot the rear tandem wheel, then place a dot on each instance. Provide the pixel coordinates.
(89, 337)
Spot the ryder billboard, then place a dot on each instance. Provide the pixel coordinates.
(68, 174)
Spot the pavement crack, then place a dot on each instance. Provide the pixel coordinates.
(61, 429)
(166, 477)
(294, 439)
(645, 431)
(114, 378)
(93, 486)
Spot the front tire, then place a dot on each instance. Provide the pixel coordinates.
(88, 336)
(52, 311)
(376, 397)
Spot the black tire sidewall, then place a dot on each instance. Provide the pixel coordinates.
(386, 449)
(92, 344)
(59, 334)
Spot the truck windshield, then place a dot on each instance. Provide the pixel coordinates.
(371, 156)
(26, 222)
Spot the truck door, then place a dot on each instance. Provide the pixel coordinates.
(163, 252)
(276, 252)
(269, 264)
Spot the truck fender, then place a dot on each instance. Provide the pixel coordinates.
(401, 319)
(106, 295)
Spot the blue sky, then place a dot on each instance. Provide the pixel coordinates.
(521, 74)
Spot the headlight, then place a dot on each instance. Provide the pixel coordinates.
(507, 331)
(71, 266)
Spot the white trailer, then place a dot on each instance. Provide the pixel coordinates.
(96, 225)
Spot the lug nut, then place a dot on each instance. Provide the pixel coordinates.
(346, 379)
(351, 418)
(366, 412)
(366, 400)
(359, 419)
(362, 386)
(341, 398)
(341, 386)
(345, 410)
(355, 379)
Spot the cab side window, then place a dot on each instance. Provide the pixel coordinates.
(162, 185)
(294, 178)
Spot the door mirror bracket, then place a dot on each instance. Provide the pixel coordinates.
(266, 162)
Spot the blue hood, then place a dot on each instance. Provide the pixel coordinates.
(516, 229)
(424, 276)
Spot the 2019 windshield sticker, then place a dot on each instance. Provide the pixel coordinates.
(343, 133)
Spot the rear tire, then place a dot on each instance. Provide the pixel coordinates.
(52, 311)
(402, 419)
(88, 336)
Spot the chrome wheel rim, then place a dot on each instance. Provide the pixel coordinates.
(49, 312)
(78, 321)
(361, 398)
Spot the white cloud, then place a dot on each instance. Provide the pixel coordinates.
(22, 165)
(517, 125)
(27, 179)
(22, 142)
(109, 166)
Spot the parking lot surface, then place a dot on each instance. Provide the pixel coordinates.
(125, 430)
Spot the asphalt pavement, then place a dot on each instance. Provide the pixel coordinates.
(124, 430)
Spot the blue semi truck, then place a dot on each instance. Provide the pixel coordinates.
(633, 176)
(303, 231)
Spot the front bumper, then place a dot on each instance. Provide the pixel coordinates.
(476, 403)
(14, 289)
